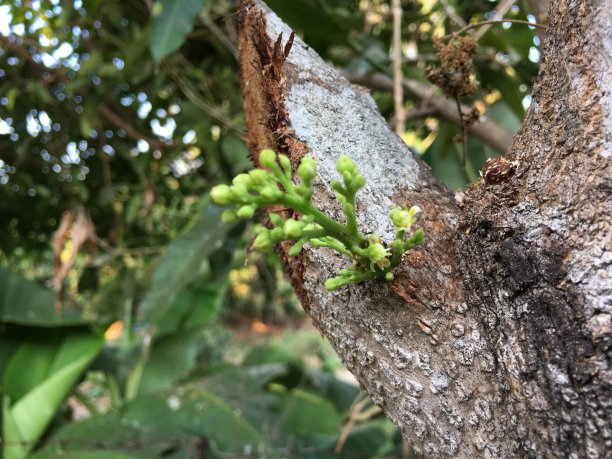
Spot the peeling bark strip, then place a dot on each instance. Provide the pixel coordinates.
(494, 340)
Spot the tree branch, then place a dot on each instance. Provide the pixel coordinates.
(405, 341)
(488, 131)
(398, 89)
(131, 131)
(494, 339)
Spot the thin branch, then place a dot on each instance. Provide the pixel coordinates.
(422, 112)
(450, 11)
(539, 8)
(220, 35)
(463, 134)
(499, 13)
(488, 131)
(195, 98)
(475, 25)
(131, 131)
(398, 88)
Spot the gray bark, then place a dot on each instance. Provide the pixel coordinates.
(494, 339)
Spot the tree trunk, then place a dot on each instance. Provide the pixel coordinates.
(494, 338)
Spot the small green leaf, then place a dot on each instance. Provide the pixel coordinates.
(172, 22)
(307, 413)
(171, 358)
(181, 262)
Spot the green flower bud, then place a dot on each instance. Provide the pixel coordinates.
(416, 239)
(347, 208)
(229, 216)
(337, 186)
(293, 228)
(244, 179)
(259, 177)
(333, 284)
(302, 189)
(359, 181)
(346, 164)
(277, 234)
(271, 192)
(221, 194)
(296, 248)
(263, 242)
(276, 219)
(285, 164)
(246, 211)
(267, 158)
(401, 218)
(414, 210)
(397, 246)
(389, 276)
(307, 169)
(376, 252)
(239, 192)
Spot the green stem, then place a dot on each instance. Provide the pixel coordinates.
(333, 244)
(310, 234)
(86, 402)
(360, 276)
(282, 179)
(351, 219)
(333, 228)
(113, 388)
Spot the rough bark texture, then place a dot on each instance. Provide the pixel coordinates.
(494, 339)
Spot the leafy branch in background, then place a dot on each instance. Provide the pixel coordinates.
(273, 185)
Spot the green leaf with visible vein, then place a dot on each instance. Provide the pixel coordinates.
(172, 22)
(32, 398)
(26, 303)
(181, 262)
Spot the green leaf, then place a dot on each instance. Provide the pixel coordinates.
(27, 303)
(105, 437)
(10, 429)
(508, 86)
(172, 22)
(182, 261)
(502, 114)
(48, 385)
(157, 423)
(341, 393)
(306, 413)
(197, 412)
(264, 354)
(444, 157)
(193, 307)
(374, 436)
(89, 453)
(171, 358)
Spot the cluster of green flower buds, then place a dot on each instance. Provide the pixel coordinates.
(273, 185)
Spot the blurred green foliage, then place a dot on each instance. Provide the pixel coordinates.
(123, 299)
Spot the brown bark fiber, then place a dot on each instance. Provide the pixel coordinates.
(494, 339)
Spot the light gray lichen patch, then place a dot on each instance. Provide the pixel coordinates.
(332, 122)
